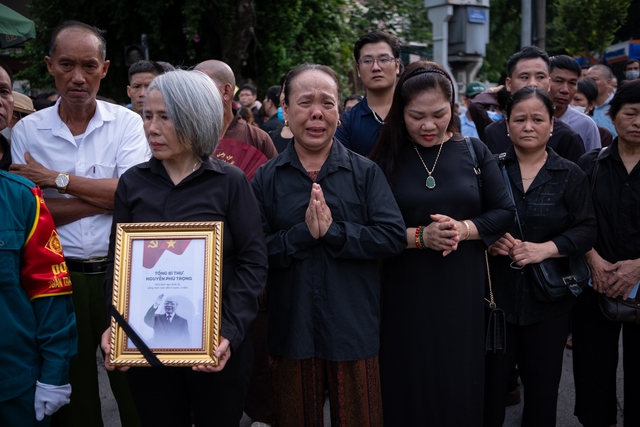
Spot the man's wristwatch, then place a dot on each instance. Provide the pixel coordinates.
(62, 182)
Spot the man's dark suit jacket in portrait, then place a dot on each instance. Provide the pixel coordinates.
(174, 334)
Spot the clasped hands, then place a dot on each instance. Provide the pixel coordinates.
(443, 234)
(318, 215)
(613, 279)
(523, 253)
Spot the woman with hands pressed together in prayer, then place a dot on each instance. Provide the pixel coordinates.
(329, 216)
(556, 220)
(432, 342)
(182, 121)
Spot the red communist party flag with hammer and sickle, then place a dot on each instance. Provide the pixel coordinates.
(153, 250)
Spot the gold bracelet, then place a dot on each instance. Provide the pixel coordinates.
(466, 224)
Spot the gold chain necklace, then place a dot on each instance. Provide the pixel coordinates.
(430, 183)
(543, 162)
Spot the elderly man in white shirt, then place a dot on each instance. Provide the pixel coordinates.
(76, 151)
(565, 73)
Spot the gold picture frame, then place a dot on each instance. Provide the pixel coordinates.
(175, 267)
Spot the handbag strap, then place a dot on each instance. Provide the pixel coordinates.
(476, 168)
(507, 182)
(594, 173)
(478, 171)
(491, 301)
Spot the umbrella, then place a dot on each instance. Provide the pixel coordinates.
(15, 29)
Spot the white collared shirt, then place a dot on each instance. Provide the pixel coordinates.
(113, 142)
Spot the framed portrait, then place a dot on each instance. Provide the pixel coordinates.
(167, 285)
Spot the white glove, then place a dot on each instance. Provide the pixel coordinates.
(50, 398)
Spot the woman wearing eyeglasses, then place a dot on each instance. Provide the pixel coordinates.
(553, 203)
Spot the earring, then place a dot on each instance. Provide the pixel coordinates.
(339, 122)
(286, 123)
(551, 134)
(508, 136)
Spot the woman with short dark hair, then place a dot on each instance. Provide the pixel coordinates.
(614, 173)
(554, 219)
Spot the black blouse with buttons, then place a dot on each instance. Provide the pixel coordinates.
(557, 207)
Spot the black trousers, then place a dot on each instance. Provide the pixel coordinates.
(538, 351)
(260, 405)
(170, 396)
(595, 362)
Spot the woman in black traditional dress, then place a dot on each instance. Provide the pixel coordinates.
(432, 343)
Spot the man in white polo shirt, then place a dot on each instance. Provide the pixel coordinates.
(75, 151)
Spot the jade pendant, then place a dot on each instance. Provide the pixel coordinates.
(431, 182)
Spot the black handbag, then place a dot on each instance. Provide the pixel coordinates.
(554, 278)
(619, 310)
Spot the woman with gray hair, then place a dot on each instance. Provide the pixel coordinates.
(181, 182)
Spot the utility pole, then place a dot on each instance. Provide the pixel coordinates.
(525, 38)
(541, 21)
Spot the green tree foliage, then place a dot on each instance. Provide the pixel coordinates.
(504, 38)
(576, 27)
(124, 22)
(260, 40)
(300, 31)
(407, 19)
(583, 26)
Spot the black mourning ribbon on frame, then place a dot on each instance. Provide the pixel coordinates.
(139, 343)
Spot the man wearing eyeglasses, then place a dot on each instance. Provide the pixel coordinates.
(377, 62)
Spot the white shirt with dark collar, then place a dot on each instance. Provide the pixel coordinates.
(113, 142)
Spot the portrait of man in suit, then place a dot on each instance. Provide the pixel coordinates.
(169, 329)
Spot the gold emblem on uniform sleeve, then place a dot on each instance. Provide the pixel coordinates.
(53, 244)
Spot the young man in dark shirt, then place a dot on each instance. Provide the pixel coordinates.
(377, 62)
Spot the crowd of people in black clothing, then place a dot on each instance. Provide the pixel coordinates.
(362, 239)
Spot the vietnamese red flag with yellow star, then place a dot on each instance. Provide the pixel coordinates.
(153, 250)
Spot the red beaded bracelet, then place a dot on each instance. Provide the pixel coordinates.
(418, 235)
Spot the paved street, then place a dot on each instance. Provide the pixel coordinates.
(513, 418)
